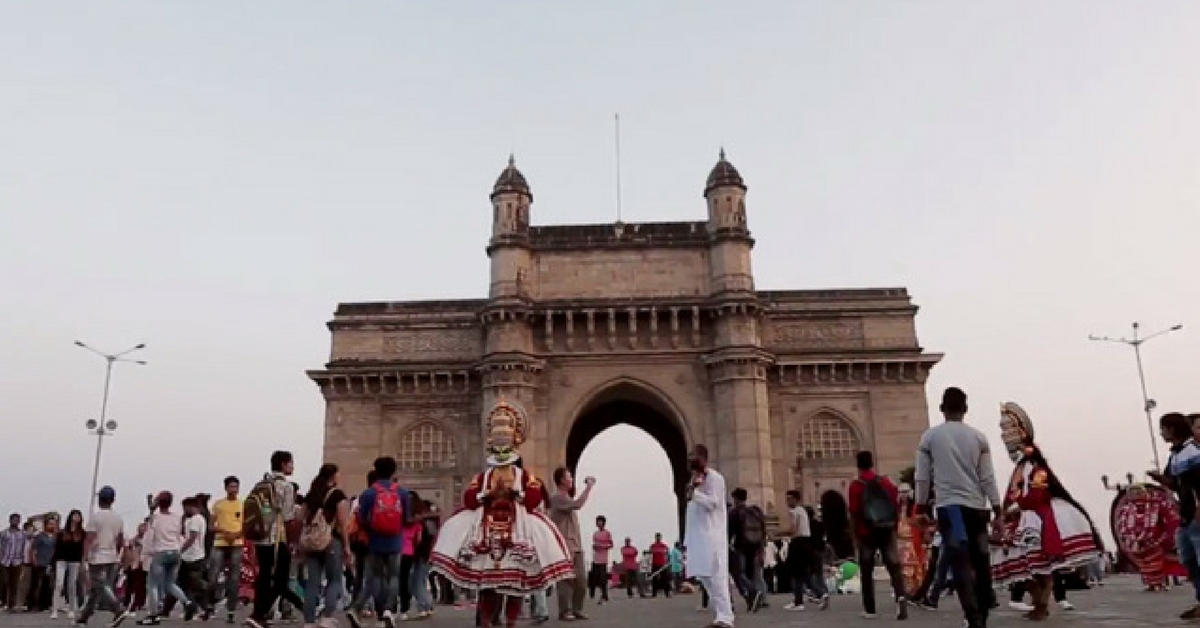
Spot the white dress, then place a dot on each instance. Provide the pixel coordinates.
(705, 533)
(1024, 557)
(535, 558)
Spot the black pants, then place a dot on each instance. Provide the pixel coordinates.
(12, 584)
(660, 581)
(631, 582)
(970, 563)
(882, 541)
(598, 579)
(406, 594)
(804, 570)
(274, 571)
(41, 587)
(193, 581)
(445, 590)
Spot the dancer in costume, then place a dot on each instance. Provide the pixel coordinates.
(1144, 520)
(910, 540)
(499, 544)
(1045, 529)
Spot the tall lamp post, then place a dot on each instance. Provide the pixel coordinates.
(104, 427)
(1148, 404)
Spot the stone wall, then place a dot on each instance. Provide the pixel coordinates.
(621, 273)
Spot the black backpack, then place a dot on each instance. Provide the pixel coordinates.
(878, 509)
(753, 526)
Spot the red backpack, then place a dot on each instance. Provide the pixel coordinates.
(387, 515)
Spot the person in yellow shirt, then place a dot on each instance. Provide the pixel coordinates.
(228, 546)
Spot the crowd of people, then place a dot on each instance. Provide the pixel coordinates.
(387, 554)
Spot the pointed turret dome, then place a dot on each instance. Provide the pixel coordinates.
(723, 175)
(511, 180)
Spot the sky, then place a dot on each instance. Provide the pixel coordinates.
(212, 179)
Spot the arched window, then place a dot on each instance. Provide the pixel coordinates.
(427, 446)
(827, 436)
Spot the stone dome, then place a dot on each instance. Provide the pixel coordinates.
(723, 175)
(511, 180)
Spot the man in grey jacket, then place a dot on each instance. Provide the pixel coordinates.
(954, 461)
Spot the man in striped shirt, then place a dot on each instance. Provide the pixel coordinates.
(12, 560)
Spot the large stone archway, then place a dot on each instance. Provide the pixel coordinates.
(661, 324)
(626, 403)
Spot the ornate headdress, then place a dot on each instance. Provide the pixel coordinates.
(1016, 429)
(505, 432)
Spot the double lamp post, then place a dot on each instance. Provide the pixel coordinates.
(104, 426)
(1136, 341)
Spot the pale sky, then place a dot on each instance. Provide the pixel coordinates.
(212, 179)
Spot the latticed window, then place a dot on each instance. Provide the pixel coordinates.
(427, 446)
(827, 437)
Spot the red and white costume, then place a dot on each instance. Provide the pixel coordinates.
(1045, 529)
(1144, 520)
(498, 543)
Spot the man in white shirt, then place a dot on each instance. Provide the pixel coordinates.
(191, 571)
(707, 535)
(799, 550)
(105, 536)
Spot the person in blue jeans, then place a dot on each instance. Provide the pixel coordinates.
(382, 572)
(1182, 475)
(325, 499)
(418, 578)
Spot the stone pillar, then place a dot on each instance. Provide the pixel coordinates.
(510, 369)
(742, 412)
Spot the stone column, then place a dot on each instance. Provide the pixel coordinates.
(741, 406)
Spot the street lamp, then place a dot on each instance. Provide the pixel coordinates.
(1148, 404)
(104, 427)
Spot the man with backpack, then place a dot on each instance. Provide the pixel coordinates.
(874, 512)
(748, 535)
(269, 507)
(383, 511)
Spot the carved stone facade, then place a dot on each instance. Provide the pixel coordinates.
(657, 325)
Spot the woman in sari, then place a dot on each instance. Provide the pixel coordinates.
(911, 541)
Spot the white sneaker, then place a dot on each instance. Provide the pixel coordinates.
(54, 614)
(867, 615)
(793, 607)
(1020, 607)
(71, 615)
(389, 620)
(1066, 605)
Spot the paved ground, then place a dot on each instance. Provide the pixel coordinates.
(1120, 604)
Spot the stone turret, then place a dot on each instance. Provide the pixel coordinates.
(510, 368)
(725, 193)
(509, 245)
(737, 365)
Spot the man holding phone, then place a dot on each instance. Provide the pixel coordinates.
(564, 512)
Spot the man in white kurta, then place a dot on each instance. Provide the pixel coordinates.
(707, 539)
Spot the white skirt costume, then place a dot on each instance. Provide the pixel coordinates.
(531, 557)
(1023, 557)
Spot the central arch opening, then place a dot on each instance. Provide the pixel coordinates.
(629, 428)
